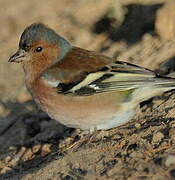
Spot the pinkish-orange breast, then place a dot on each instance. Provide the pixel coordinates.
(74, 111)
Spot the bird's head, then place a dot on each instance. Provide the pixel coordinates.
(40, 45)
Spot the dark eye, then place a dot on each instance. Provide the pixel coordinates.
(39, 49)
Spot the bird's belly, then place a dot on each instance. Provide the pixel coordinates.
(85, 114)
(101, 111)
(116, 120)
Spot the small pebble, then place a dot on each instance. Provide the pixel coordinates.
(12, 148)
(7, 159)
(17, 157)
(170, 160)
(45, 150)
(138, 125)
(157, 137)
(66, 142)
(116, 137)
(28, 155)
(36, 148)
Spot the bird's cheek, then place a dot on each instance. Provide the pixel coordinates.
(27, 59)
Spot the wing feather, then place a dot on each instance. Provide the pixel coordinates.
(117, 76)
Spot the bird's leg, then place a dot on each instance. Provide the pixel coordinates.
(85, 137)
(92, 135)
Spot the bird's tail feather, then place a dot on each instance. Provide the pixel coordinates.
(164, 82)
(155, 88)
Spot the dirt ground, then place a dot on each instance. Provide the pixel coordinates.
(34, 147)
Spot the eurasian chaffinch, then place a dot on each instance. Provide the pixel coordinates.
(80, 88)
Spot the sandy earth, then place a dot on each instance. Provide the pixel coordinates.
(32, 146)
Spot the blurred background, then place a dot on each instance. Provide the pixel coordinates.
(137, 31)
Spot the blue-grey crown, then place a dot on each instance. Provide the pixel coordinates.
(40, 32)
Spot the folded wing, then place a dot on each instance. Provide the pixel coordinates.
(118, 76)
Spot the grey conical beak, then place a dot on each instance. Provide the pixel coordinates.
(18, 56)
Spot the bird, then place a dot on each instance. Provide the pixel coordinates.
(81, 88)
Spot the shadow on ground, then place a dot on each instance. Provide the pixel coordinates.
(135, 25)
